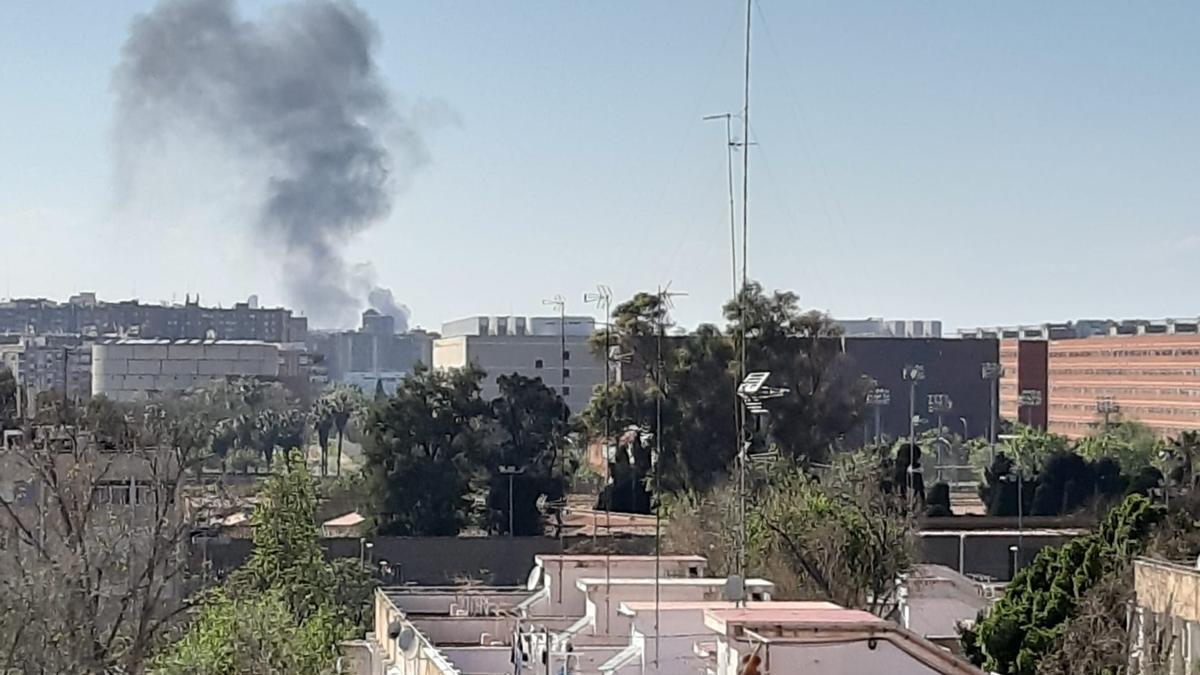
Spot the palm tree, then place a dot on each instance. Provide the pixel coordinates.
(344, 402)
(322, 418)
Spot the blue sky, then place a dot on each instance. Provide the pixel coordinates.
(980, 163)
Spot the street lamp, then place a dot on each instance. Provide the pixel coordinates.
(1029, 399)
(512, 472)
(877, 398)
(1015, 476)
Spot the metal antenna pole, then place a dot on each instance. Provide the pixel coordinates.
(560, 303)
(743, 299)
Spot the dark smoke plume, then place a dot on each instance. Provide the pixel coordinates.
(380, 299)
(297, 90)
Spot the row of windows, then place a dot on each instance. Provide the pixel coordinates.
(1177, 392)
(1165, 372)
(1134, 411)
(1119, 353)
(124, 493)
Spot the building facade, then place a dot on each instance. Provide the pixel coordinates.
(128, 370)
(49, 363)
(879, 327)
(551, 349)
(1164, 622)
(1024, 370)
(85, 315)
(374, 352)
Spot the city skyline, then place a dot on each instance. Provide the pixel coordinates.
(1020, 157)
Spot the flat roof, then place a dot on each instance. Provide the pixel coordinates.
(664, 581)
(618, 558)
(645, 605)
(719, 619)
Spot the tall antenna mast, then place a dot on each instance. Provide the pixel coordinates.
(742, 299)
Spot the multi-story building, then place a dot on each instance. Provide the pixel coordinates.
(879, 327)
(1088, 373)
(1024, 371)
(374, 353)
(84, 315)
(49, 363)
(557, 352)
(126, 370)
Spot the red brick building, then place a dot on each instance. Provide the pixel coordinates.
(1151, 378)
(1024, 364)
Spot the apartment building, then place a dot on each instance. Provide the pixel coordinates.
(49, 363)
(84, 314)
(629, 615)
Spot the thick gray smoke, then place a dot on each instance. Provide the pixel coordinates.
(380, 299)
(297, 91)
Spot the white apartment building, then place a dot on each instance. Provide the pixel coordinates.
(538, 347)
(127, 370)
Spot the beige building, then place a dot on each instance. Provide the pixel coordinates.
(1165, 619)
(532, 347)
(128, 370)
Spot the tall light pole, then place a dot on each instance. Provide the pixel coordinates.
(560, 303)
(877, 398)
(939, 405)
(992, 373)
(512, 472)
(912, 374)
(602, 298)
(1028, 400)
(1107, 407)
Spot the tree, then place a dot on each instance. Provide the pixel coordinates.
(532, 424)
(842, 539)
(322, 419)
(343, 403)
(92, 570)
(287, 608)
(422, 449)
(804, 354)
(8, 398)
(1027, 623)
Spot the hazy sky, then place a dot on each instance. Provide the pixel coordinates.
(976, 162)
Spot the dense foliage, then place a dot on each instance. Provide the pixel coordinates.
(841, 538)
(1031, 618)
(434, 452)
(287, 608)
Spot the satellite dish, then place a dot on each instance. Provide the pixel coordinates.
(407, 642)
(535, 578)
(394, 629)
(735, 588)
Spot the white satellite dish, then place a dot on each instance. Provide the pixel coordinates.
(535, 578)
(407, 642)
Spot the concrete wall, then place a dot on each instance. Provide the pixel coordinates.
(852, 657)
(983, 552)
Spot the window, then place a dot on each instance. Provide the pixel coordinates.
(537, 364)
(566, 356)
(566, 373)
(566, 390)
